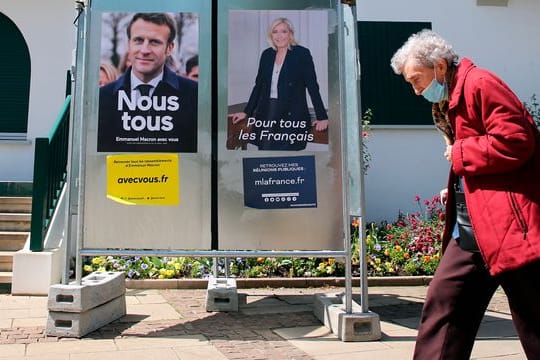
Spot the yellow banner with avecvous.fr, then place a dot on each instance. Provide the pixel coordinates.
(143, 179)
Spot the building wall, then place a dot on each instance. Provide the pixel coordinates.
(408, 161)
(48, 29)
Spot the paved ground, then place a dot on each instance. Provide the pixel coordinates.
(273, 323)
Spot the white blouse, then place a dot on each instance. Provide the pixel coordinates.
(275, 78)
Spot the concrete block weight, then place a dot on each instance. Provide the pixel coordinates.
(73, 324)
(95, 289)
(353, 326)
(78, 309)
(221, 295)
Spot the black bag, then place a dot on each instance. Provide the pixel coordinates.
(466, 240)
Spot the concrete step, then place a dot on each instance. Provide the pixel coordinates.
(6, 260)
(13, 240)
(15, 204)
(15, 221)
(6, 277)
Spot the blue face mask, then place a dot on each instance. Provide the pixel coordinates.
(436, 92)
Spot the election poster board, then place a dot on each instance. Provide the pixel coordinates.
(278, 97)
(214, 198)
(280, 182)
(146, 151)
(140, 50)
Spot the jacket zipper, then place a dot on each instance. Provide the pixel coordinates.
(519, 216)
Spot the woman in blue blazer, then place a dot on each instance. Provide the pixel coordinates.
(277, 110)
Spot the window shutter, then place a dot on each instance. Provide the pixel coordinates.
(388, 95)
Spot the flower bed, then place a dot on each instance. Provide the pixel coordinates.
(408, 246)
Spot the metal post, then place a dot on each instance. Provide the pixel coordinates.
(355, 189)
(215, 266)
(344, 156)
(81, 58)
(68, 246)
(361, 210)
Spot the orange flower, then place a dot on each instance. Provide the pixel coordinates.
(260, 260)
(355, 222)
(406, 256)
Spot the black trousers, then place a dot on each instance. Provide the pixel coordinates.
(458, 297)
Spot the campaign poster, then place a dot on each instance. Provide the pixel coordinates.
(280, 182)
(143, 179)
(148, 93)
(278, 80)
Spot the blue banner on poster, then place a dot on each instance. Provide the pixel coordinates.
(280, 182)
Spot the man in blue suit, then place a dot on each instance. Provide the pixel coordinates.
(149, 108)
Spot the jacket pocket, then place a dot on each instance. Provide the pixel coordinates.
(518, 214)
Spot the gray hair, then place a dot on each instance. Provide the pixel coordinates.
(425, 47)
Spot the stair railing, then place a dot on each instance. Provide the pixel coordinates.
(50, 171)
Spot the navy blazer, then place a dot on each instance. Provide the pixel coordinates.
(297, 74)
(166, 124)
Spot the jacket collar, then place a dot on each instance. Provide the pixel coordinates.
(460, 74)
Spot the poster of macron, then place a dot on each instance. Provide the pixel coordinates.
(146, 101)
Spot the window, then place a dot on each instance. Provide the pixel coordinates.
(15, 81)
(391, 99)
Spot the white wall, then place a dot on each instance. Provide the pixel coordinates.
(407, 162)
(48, 29)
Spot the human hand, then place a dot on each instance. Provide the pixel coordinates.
(320, 125)
(237, 117)
(444, 196)
(448, 153)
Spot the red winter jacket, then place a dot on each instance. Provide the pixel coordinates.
(497, 152)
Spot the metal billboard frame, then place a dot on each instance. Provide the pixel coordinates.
(352, 162)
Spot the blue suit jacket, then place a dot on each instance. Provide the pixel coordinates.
(168, 124)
